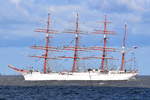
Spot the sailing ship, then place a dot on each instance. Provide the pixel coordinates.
(102, 73)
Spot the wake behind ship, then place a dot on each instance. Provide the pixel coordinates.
(102, 73)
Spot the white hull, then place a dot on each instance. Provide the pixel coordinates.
(81, 76)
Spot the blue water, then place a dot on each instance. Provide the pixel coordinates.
(73, 93)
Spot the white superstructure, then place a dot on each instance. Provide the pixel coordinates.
(81, 76)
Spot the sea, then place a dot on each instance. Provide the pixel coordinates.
(15, 88)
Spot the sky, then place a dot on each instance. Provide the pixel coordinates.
(20, 18)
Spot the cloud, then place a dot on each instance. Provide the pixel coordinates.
(64, 8)
(15, 1)
(25, 16)
(117, 5)
(137, 5)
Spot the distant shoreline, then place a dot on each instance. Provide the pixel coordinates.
(142, 81)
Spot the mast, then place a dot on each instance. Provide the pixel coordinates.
(46, 48)
(104, 57)
(104, 48)
(103, 61)
(46, 45)
(123, 49)
(75, 66)
(76, 47)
